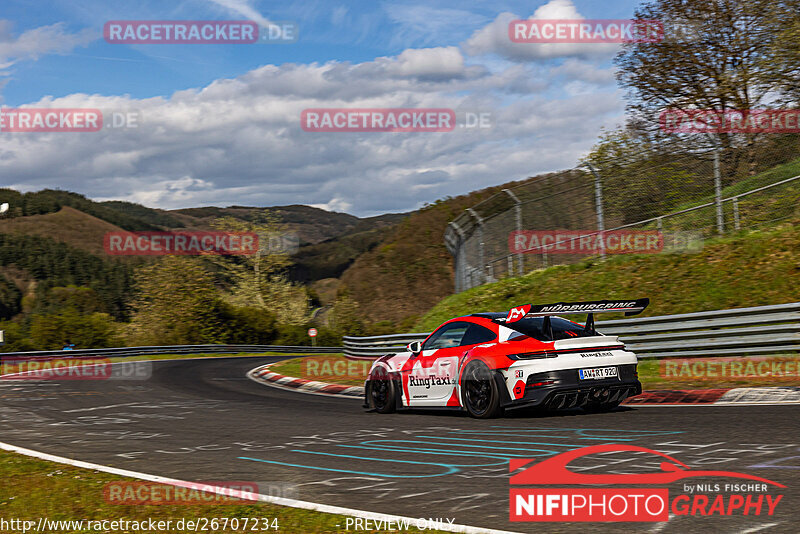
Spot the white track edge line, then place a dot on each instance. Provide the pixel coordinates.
(292, 503)
(280, 501)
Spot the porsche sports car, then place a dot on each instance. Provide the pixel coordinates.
(527, 357)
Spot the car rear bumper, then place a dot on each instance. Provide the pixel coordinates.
(564, 389)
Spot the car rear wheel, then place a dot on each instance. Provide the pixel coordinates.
(479, 392)
(381, 391)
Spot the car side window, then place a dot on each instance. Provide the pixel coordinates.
(450, 335)
(477, 334)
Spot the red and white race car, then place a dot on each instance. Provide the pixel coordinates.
(528, 356)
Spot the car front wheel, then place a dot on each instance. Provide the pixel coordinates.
(479, 392)
(381, 391)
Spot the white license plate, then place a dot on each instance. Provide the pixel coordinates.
(597, 373)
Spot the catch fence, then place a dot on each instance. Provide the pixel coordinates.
(660, 204)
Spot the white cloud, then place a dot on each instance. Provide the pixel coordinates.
(420, 25)
(239, 141)
(493, 38)
(429, 63)
(243, 7)
(584, 71)
(557, 9)
(37, 42)
(336, 204)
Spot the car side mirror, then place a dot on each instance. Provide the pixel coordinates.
(414, 347)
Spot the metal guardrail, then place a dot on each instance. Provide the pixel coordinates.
(735, 332)
(170, 349)
(369, 348)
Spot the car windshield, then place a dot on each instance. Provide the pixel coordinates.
(562, 329)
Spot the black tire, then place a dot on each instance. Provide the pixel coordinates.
(382, 395)
(479, 392)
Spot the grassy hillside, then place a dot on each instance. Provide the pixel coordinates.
(52, 201)
(749, 269)
(410, 270)
(777, 203)
(68, 225)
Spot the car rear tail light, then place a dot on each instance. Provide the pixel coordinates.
(542, 383)
(533, 355)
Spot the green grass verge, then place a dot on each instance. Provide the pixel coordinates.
(333, 368)
(749, 269)
(34, 488)
(771, 176)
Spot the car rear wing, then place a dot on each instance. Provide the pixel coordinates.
(628, 307)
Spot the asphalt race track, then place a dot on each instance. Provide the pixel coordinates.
(204, 420)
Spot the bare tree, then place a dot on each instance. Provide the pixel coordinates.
(724, 59)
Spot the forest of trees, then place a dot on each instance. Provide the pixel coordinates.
(95, 302)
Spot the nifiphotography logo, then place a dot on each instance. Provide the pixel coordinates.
(651, 504)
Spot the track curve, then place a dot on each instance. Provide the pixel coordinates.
(203, 419)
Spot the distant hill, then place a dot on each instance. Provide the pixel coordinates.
(332, 257)
(68, 225)
(395, 265)
(76, 220)
(330, 241)
(52, 200)
(313, 225)
(137, 211)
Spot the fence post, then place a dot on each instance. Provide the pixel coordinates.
(460, 260)
(718, 193)
(736, 222)
(518, 217)
(598, 204)
(480, 242)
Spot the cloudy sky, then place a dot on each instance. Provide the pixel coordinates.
(219, 124)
